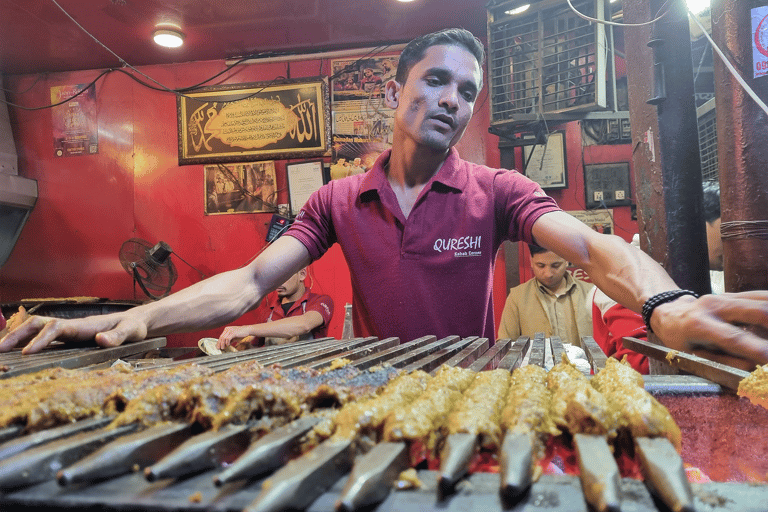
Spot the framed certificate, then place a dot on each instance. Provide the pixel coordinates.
(545, 163)
(303, 179)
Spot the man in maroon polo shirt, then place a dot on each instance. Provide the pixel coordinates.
(295, 313)
(419, 231)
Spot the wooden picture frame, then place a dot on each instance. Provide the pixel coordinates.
(546, 164)
(303, 179)
(254, 121)
(240, 188)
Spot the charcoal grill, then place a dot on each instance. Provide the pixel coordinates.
(722, 435)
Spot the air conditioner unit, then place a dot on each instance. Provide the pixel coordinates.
(547, 62)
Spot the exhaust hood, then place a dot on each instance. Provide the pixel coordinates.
(18, 195)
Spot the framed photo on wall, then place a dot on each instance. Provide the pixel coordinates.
(243, 122)
(303, 179)
(240, 188)
(545, 163)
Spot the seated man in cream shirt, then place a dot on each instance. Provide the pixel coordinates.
(553, 302)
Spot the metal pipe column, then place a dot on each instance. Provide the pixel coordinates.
(742, 133)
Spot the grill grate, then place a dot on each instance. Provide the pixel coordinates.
(480, 491)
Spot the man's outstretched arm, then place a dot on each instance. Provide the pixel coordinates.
(719, 327)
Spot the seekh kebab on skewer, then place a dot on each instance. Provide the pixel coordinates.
(527, 424)
(416, 421)
(634, 408)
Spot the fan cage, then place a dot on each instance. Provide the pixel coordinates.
(156, 278)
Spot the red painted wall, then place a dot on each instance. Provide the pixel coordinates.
(89, 205)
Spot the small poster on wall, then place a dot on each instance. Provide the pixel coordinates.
(598, 220)
(74, 123)
(354, 154)
(240, 188)
(358, 84)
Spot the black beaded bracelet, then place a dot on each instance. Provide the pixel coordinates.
(659, 299)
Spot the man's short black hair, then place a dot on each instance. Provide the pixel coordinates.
(535, 249)
(414, 51)
(711, 201)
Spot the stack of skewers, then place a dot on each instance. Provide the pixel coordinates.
(377, 423)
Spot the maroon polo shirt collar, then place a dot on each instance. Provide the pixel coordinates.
(277, 301)
(451, 174)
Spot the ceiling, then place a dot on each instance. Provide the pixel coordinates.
(36, 36)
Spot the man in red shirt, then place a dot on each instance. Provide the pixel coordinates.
(295, 313)
(421, 227)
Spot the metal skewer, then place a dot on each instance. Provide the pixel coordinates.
(515, 465)
(454, 461)
(268, 453)
(123, 455)
(373, 475)
(204, 451)
(664, 473)
(599, 474)
(302, 480)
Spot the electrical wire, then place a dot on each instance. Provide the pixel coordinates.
(78, 93)
(159, 87)
(39, 76)
(616, 24)
(122, 61)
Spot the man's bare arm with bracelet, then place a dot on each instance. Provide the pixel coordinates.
(210, 303)
(722, 323)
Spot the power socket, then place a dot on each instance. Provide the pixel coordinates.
(598, 195)
(619, 195)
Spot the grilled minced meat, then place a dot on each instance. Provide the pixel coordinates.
(479, 410)
(417, 421)
(577, 406)
(635, 409)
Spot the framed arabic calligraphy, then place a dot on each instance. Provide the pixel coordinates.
(245, 122)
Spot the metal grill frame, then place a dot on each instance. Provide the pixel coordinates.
(563, 493)
(707, 123)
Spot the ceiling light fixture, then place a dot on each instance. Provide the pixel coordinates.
(168, 37)
(518, 10)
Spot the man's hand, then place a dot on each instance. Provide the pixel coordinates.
(108, 331)
(730, 328)
(231, 334)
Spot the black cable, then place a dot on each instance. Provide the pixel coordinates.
(39, 75)
(140, 82)
(78, 93)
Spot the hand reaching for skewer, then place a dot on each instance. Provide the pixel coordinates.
(107, 330)
(725, 328)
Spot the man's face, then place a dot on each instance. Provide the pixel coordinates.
(434, 105)
(548, 269)
(291, 286)
(714, 245)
